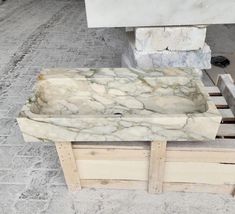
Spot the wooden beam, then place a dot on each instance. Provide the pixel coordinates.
(114, 184)
(227, 88)
(157, 166)
(167, 187)
(172, 155)
(220, 102)
(226, 130)
(68, 164)
(213, 90)
(227, 114)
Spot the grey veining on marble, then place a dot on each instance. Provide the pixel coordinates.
(129, 13)
(117, 105)
(128, 62)
(200, 59)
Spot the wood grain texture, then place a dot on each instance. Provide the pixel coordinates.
(186, 172)
(69, 166)
(167, 187)
(172, 155)
(157, 166)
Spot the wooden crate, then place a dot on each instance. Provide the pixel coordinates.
(156, 166)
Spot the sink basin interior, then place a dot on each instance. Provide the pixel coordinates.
(117, 96)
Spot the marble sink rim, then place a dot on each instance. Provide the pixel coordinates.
(137, 127)
(211, 110)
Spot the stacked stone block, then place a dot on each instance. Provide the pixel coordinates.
(181, 47)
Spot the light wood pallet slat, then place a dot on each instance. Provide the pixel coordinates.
(227, 127)
(227, 88)
(173, 154)
(68, 163)
(213, 90)
(167, 187)
(157, 166)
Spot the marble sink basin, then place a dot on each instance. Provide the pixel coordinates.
(117, 105)
(137, 13)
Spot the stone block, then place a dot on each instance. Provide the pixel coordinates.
(127, 62)
(200, 59)
(170, 38)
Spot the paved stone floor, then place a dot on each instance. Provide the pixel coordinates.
(35, 34)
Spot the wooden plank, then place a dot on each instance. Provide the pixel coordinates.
(114, 184)
(167, 187)
(223, 81)
(186, 172)
(69, 166)
(176, 155)
(156, 166)
(205, 173)
(200, 156)
(213, 90)
(227, 88)
(111, 154)
(113, 169)
(200, 188)
(213, 145)
(134, 145)
(219, 101)
(226, 114)
(226, 130)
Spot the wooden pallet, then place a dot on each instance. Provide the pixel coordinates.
(156, 166)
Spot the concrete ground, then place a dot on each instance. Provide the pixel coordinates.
(36, 34)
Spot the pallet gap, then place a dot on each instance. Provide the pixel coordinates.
(215, 94)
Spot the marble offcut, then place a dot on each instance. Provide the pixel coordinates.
(117, 105)
(128, 62)
(170, 38)
(200, 59)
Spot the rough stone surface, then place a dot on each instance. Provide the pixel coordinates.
(127, 62)
(41, 33)
(170, 38)
(180, 59)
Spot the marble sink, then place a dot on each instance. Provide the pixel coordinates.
(137, 13)
(118, 105)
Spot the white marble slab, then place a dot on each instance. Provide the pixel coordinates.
(170, 38)
(130, 13)
(117, 105)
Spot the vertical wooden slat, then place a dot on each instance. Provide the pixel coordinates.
(69, 166)
(157, 166)
(226, 85)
